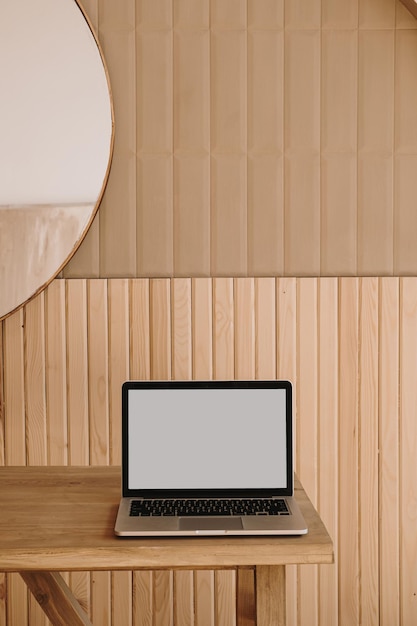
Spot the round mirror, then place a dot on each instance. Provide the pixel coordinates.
(56, 141)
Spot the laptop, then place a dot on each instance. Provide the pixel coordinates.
(203, 458)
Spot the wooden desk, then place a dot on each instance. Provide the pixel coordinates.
(56, 519)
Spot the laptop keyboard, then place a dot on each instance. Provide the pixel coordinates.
(224, 507)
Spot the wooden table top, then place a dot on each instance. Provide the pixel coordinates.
(62, 519)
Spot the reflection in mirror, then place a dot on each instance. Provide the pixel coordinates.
(56, 130)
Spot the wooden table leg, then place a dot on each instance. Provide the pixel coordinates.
(270, 595)
(56, 598)
(245, 597)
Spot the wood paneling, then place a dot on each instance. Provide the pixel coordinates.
(348, 345)
(253, 141)
(407, 446)
(339, 94)
(257, 141)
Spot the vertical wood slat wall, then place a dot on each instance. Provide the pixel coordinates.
(257, 137)
(350, 347)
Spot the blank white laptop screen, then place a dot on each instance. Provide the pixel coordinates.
(207, 439)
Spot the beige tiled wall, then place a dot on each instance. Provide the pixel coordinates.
(258, 137)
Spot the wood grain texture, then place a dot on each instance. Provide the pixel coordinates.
(59, 605)
(160, 330)
(225, 593)
(269, 582)
(204, 598)
(139, 330)
(202, 328)
(47, 535)
(328, 441)
(182, 361)
(98, 323)
(369, 451)
(34, 379)
(244, 298)
(184, 598)
(77, 372)
(286, 367)
(307, 407)
(245, 600)
(349, 598)
(56, 390)
(347, 344)
(407, 445)
(223, 326)
(389, 428)
(14, 399)
(265, 328)
(118, 363)
(17, 600)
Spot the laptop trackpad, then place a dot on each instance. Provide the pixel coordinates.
(210, 523)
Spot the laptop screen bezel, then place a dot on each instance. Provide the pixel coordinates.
(211, 384)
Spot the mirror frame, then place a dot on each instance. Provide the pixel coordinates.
(94, 211)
